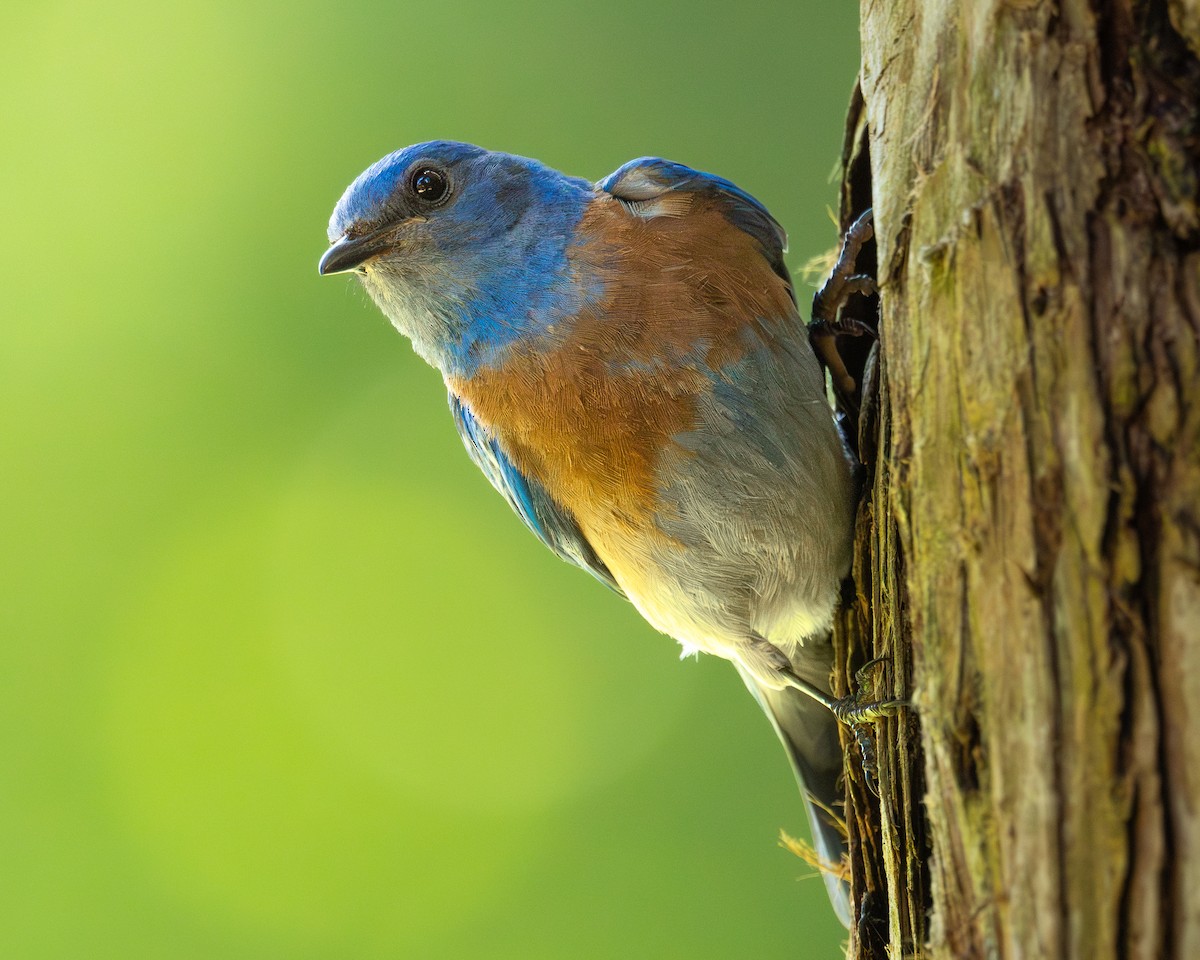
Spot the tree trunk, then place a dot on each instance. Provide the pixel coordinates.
(1029, 545)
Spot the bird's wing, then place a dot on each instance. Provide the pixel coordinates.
(640, 182)
(551, 523)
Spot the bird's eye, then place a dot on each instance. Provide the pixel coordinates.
(430, 185)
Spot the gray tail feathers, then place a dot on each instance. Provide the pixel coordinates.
(809, 734)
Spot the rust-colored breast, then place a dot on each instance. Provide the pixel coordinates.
(591, 408)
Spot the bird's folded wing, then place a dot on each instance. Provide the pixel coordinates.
(640, 182)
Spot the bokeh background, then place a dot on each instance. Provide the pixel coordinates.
(280, 675)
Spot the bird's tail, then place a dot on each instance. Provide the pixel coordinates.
(810, 736)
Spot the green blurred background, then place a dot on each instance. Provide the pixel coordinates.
(280, 675)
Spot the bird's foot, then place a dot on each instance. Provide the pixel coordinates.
(859, 714)
(839, 286)
(856, 709)
(853, 713)
(851, 710)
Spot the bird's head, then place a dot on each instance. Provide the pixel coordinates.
(463, 248)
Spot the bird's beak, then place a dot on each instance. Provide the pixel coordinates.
(347, 253)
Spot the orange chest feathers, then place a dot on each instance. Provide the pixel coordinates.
(592, 407)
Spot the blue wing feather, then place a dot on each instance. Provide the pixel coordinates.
(649, 177)
(550, 523)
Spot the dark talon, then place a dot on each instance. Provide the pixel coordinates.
(866, 753)
(860, 675)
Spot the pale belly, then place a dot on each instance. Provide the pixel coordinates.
(753, 530)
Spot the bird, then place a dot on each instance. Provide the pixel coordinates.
(626, 364)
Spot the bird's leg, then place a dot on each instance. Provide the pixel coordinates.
(764, 654)
(849, 710)
(857, 716)
(841, 284)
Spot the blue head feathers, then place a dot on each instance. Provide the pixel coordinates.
(378, 194)
(462, 248)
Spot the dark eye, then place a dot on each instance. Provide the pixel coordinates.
(430, 185)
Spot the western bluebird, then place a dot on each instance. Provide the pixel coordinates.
(627, 366)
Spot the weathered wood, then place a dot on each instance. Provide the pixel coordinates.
(1030, 545)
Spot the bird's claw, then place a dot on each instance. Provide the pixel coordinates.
(866, 755)
(860, 675)
(859, 715)
(859, 718)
